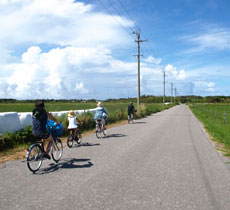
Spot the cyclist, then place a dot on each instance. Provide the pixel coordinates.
(131, 110)
(73, 122)
(39, 120)
(101, 114)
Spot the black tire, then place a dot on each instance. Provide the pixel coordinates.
(34, 157)
(98, 134)
(70, 141)
(57, 150)
(103, 131)
(79, 138)
(98, 130)
(130, 119)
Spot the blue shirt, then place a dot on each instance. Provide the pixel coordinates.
(100, 113)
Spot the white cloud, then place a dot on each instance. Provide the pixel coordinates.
(213, 38)
(73, 72)
(58, 22)
(79, 87)
(63, 49)
(153, 60)
(177, 74)
(205, 86)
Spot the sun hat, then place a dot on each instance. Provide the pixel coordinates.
(71, 113)
(99, 104)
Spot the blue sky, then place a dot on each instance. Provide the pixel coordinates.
(85, 49)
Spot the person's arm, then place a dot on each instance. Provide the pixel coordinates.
(52, 117)
(78, 120)
(105, 111)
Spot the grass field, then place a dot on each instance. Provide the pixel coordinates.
(65, 106)
(216, 120)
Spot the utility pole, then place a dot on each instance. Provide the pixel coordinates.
(163, 87)
(138, 40)
(175, 94)
(171, 92)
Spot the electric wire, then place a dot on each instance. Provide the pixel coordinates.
(114, 16)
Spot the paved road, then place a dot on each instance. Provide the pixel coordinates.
(162, 162)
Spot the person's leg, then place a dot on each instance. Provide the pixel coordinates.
(50, 142)
(77, 131)
(104, 123)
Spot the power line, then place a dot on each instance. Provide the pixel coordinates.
(117, 11)
(126, 11)
(114, 16)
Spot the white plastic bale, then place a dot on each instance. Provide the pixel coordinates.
(59, 114)
(13, 121)
(25, 118)
(92, 110)
(9, 122)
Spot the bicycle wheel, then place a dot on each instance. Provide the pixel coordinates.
(98, 130)
(79, 138)
(129, 120)
(34, 157)
(98, 134)
(104, 131)
(70, 141)
(57, 150)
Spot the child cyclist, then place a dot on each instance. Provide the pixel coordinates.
(73, 119)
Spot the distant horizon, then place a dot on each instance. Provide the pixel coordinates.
(93, 99)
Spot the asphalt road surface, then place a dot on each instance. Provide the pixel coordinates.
(162, 162)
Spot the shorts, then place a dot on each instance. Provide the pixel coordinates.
(102, 120)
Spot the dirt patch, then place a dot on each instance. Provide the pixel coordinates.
(18, 154)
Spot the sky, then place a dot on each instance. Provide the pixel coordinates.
(86, 49)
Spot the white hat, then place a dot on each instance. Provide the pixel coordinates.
(99, 104)
(71, 113)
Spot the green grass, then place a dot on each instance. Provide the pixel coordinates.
(216, 123)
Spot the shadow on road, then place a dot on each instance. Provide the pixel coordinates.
(86, 144)
(116, 135)
(139, 122)
(66, 164)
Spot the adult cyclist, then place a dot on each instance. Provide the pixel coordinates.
(39, 120)
(101, 114)
(131, 111)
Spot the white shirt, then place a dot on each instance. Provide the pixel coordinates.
(72, 123)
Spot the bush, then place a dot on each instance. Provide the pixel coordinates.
(10, 140)
(141, 111)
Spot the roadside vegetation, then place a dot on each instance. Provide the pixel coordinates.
(117, 110)
(216, 120)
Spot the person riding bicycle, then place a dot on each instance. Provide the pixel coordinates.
(131, 110)
(73, 119)
(39, 120)
(101, 114)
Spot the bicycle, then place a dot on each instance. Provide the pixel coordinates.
(77, 137)
(36, 153)
(131, 118)
(100, 131)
